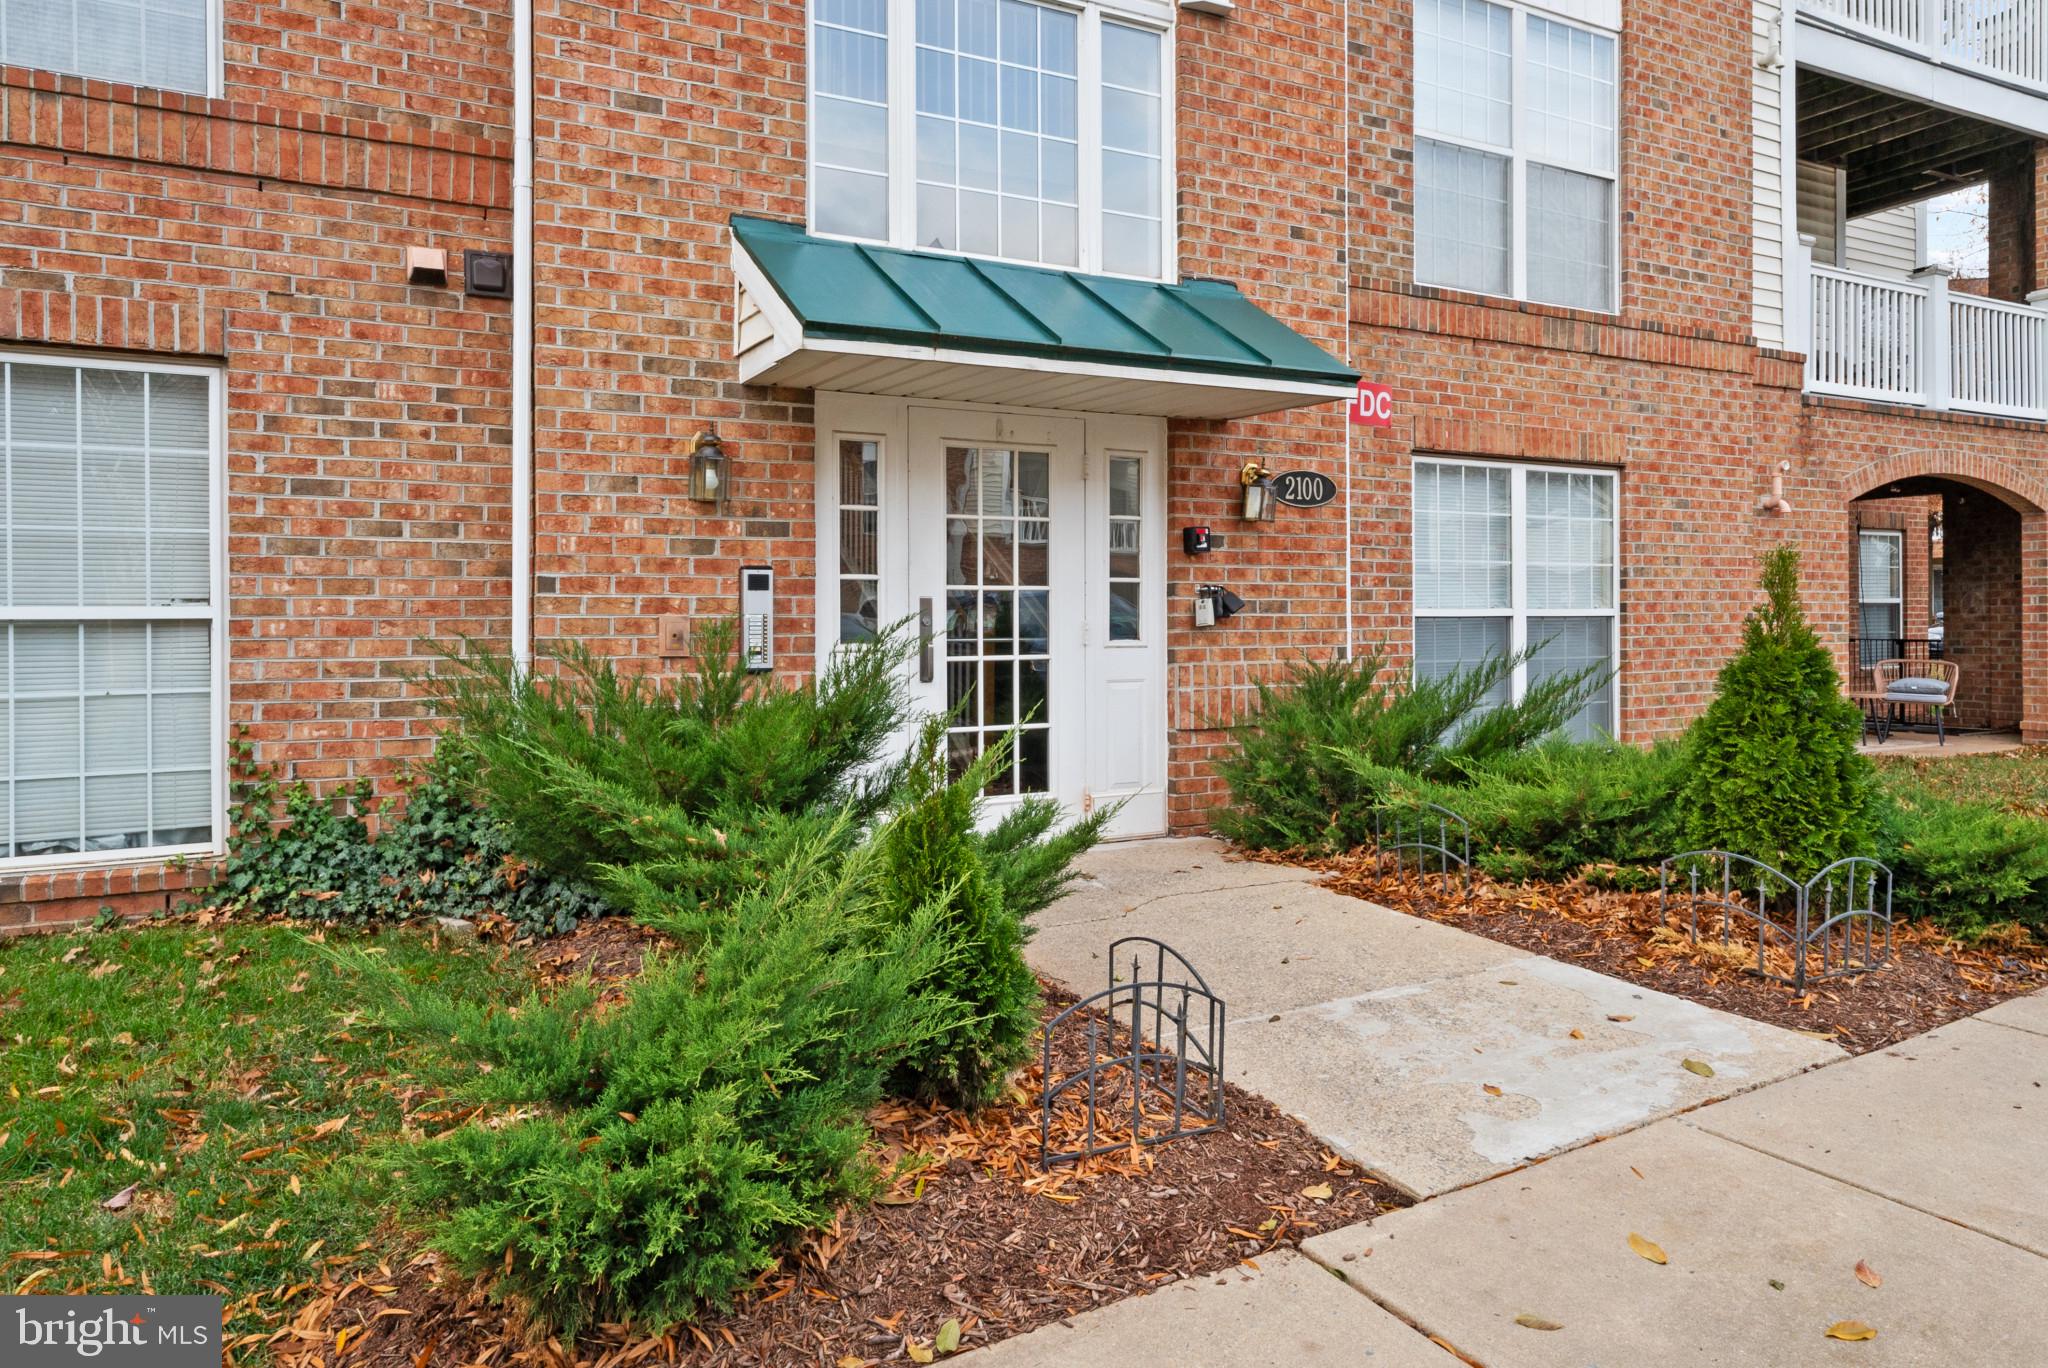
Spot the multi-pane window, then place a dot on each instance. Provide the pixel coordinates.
(998, 600)
(109, 632)
(1126, 547)
(1880, 594)
(1511, 559)
(163, 43)
(1013, 130)
(1515, 154)
(860, 515)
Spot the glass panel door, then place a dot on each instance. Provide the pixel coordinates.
(998, 582)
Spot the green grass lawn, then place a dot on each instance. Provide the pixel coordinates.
(2014, 780)
(227, 1075)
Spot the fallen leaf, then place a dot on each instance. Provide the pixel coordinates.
(1319, 1192)
(327, 1128)
(1618, 1016)
(1489, 1090)
(1777, 1286)
(1578, 1034)
(852, 1361)
(919, 1353)
(1704, 1070)
(1529, 1322)
(948, 1338)
(1865, 1274)
(120, 1200)
(1850, 1330)
(1649, 1249)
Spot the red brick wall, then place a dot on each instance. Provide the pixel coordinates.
(1259, 113)
(1984, 630)
(367, 475)
(1661, 392)
(368, 432)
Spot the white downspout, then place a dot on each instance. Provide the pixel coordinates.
(522, 334)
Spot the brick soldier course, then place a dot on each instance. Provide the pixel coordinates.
(367, 424)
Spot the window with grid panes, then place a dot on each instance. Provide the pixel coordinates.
(1515, 154)
(1513, 558)
(1013, 130)
(167, 44)
(110, 619)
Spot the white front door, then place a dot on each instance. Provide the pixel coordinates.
(1036, 554)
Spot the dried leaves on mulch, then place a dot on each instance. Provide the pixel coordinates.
(1933, 978)
(970, 1232)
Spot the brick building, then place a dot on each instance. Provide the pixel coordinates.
(961, 311)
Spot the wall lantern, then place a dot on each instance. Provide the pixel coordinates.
(707, 469)
(1259, 496)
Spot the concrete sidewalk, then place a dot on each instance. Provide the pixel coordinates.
(1922, 1161)
(1433, 1057)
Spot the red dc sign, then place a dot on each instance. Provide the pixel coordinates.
(1373, 406)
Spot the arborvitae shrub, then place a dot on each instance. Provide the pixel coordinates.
(1772, 769)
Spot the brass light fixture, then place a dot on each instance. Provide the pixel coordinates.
(707, 469)
(1259, 498)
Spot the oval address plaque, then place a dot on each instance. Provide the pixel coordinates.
(1304, 488)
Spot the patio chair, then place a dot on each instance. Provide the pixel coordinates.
(1922, 683)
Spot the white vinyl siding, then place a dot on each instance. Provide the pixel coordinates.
(110, 632)
(166, 44)
(1819, 210)
(1886, 243)
(1768, 182)
(1511, 558)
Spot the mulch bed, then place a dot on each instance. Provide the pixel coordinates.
(972, 1232)
(1932, 979)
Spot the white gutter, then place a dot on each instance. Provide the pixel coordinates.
(522, 334)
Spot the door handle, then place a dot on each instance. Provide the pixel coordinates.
(924, 640)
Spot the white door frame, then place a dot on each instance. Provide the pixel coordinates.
(887, 422)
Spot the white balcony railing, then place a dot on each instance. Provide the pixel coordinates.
(1868, 336)
(2003, 38)
(1917, 342)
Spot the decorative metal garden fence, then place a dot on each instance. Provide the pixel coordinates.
(1430, 834)
(1154, 1057)
(1824, 927)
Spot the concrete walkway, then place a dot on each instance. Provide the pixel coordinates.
(1433, 1057)
(1922, 1161)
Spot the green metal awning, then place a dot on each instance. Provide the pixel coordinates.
(825, 314)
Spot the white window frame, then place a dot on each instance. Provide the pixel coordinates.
(1518, 611)
(214, 613)
(1897, 602)
(215, 87)
(1155, 15)
(1518, 158)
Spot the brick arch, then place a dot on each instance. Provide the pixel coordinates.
(2024, 494)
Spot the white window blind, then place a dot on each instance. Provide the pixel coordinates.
(167, 44)
(1513, 558)
(1880, 593)
(108, 608)
(1515, 154)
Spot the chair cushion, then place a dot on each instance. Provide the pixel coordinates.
(1917, 686)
